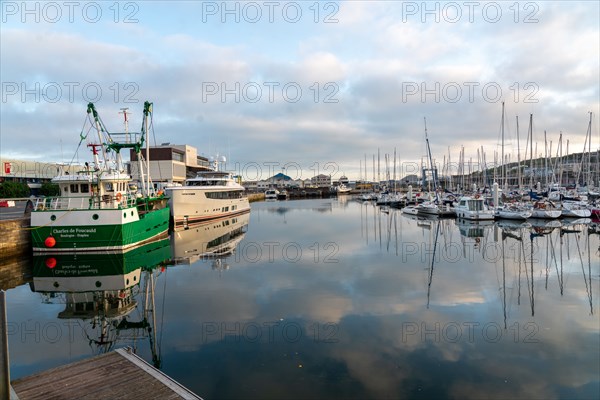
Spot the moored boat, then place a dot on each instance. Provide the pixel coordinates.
(545, 209)
(211, 194)
(410, 210)
(575, 209)
(343, 189)
(473, 208)
(99, 208)
(432, 208)
(512, 211)
(282, 195)
(271, 194)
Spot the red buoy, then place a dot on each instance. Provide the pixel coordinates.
(50, 241)
(50, 262)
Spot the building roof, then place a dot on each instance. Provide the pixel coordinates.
(280, 176)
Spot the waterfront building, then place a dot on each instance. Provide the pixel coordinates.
(171, 164)
(33, 173)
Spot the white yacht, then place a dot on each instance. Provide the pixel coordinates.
(211, 194)
(473, 208)
(271, 194)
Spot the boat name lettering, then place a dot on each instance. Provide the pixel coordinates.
(89, 230)
(188, 194)
(73, 230)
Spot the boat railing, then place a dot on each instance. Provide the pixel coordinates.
(106, 201)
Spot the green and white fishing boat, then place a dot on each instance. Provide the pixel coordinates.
(100, 208)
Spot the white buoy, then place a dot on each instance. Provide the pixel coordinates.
(410, 194)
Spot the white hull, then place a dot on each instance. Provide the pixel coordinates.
(473, 209)
(580, 213)
(410, 210)
(575, 210)
(516, 215)
(475, 215)
(193, 204)
(546, 214)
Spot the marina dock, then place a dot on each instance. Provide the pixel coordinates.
(119, 374)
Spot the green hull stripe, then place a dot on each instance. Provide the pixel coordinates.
(147, 256)
(98, 237)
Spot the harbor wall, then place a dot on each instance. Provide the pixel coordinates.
(15, 237)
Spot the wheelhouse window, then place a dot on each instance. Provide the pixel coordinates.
(85, 188)
(74, 188)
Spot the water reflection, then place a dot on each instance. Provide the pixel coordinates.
(99, 293)
(214, 240)
(520, 251)
(404, 307)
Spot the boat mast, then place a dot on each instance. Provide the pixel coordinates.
(502, 159)
(530, 135)
(546, 161)
(519, 157)
(431, 163)
(92, 110)
(147, 110)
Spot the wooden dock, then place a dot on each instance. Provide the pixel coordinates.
(119, 374)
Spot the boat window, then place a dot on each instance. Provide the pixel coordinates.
(108, 187)
(66, 189)
(74, 188)
(224, 195)
(85, 188)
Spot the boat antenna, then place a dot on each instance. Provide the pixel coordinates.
(125, 122)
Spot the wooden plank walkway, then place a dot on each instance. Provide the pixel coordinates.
(119, 374)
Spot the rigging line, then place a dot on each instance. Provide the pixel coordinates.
(154, 138)
(49, 223)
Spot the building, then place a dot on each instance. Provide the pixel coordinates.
(170, 163)
(321, 180)
(33, 173)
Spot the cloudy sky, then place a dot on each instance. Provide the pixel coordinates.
(309, 86)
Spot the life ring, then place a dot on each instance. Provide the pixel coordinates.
(476, 196)
(119, 196)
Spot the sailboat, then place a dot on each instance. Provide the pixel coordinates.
(433, 206)
(514, 211)
(100, 208)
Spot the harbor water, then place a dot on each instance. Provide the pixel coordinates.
(332, 298)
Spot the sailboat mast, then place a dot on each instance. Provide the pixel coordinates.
(546, 161)
(530, 136)
(519, 157)
(502, 154)
(433, 177)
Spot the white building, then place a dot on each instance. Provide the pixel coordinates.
(321, 180)
(171, 163)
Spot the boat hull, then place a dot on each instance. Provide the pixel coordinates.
(546, 214)
(96, 229)
(191, 205)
